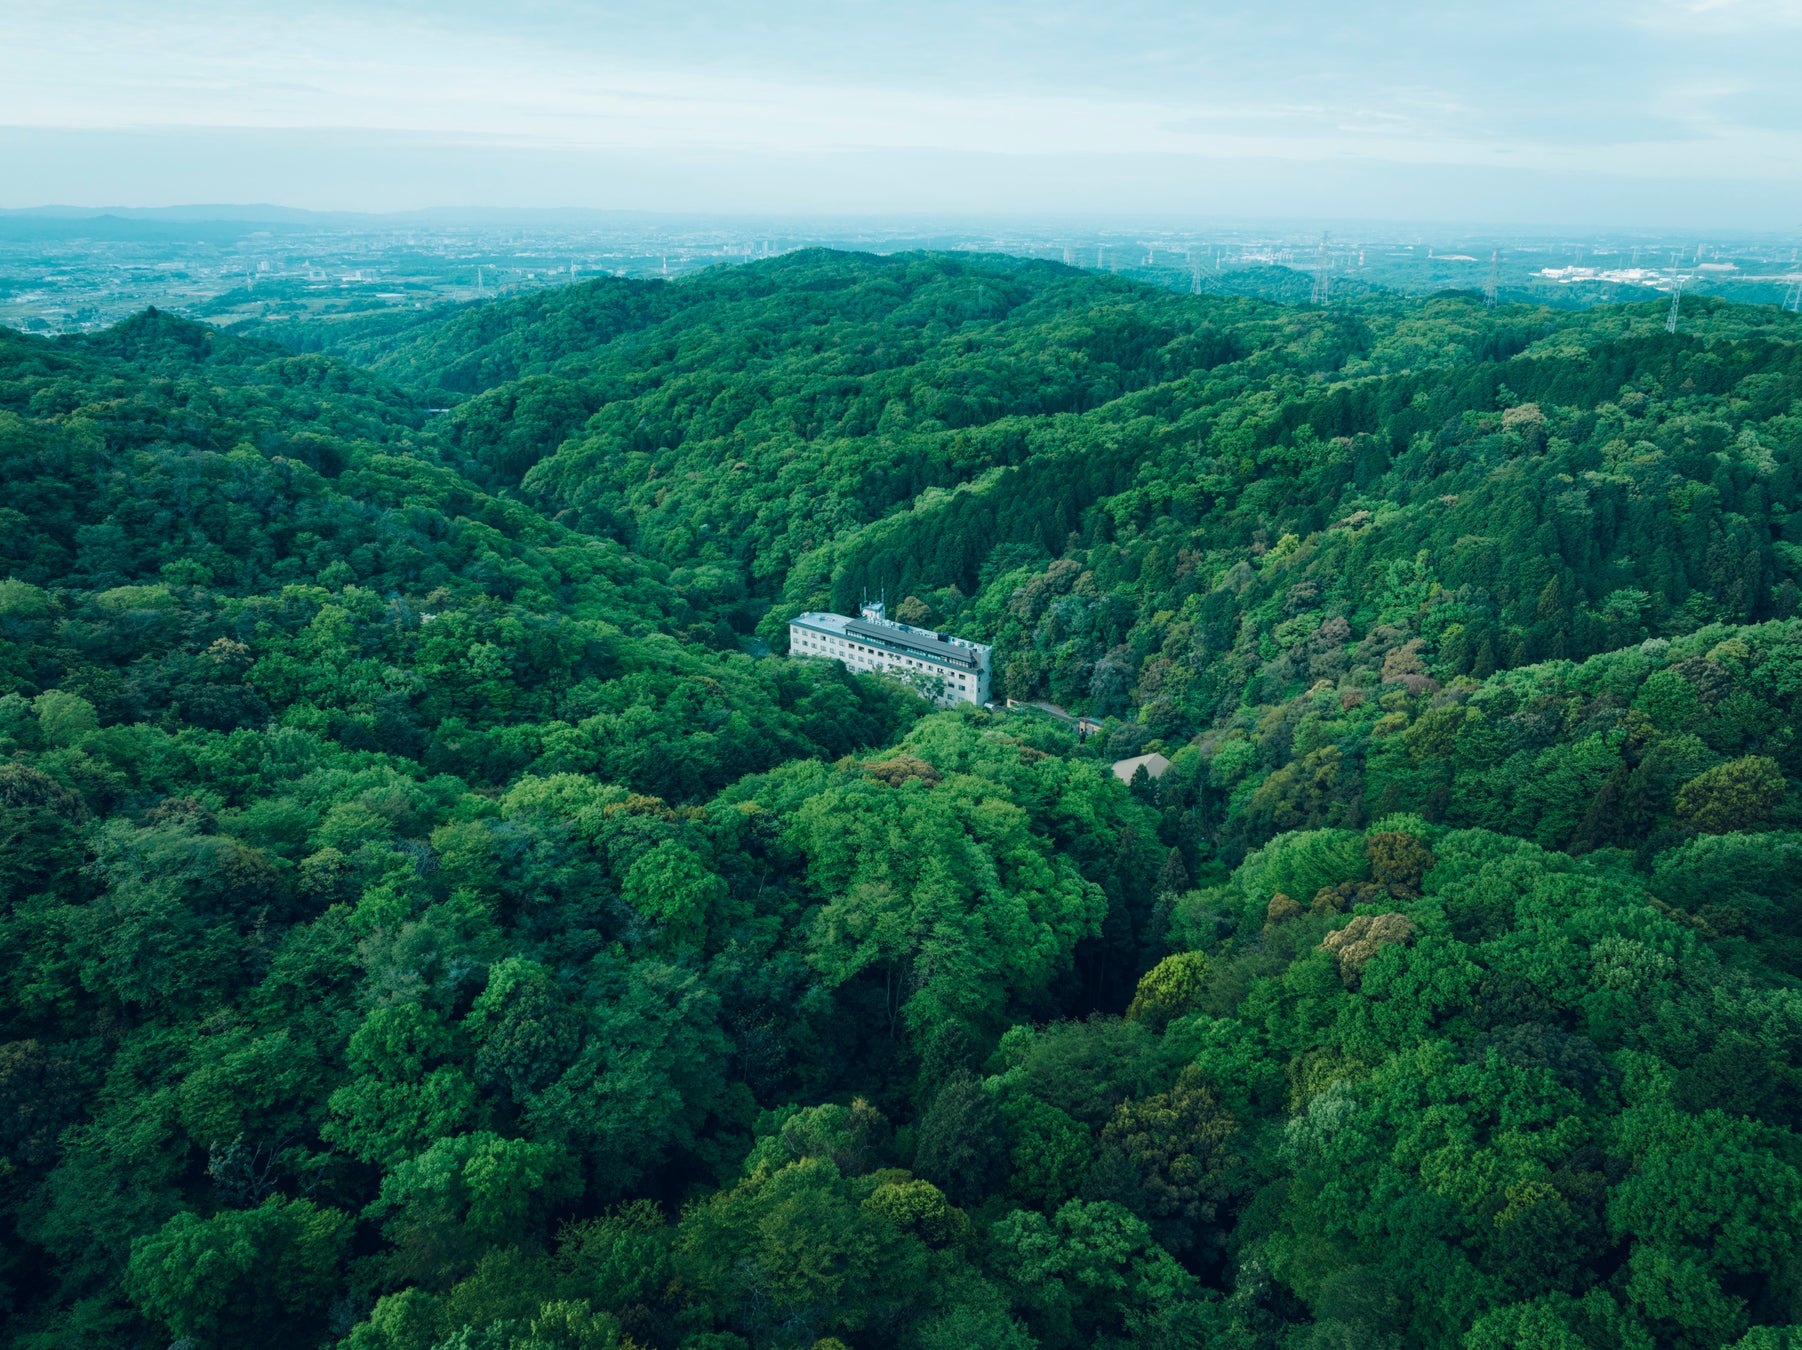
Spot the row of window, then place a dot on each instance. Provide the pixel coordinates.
(843, 648)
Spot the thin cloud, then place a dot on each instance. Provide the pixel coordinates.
(1675, 88)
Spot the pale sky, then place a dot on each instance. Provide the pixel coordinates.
(1656, 111)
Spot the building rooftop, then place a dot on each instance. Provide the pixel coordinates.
(916, 641)
(1154, 764)
(880, 631)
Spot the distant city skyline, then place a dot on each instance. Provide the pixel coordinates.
(1664, 113)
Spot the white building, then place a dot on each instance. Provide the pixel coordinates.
(946, 670)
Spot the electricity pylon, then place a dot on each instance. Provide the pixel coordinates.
(1490, 287)
(1670, 323)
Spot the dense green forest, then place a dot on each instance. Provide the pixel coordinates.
(438, 915)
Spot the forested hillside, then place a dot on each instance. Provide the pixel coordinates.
(436, 919)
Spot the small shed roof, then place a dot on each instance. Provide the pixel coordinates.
(1155, 764)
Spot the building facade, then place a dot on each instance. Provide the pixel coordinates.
(946, 670)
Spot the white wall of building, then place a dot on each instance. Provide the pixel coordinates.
(826, 637)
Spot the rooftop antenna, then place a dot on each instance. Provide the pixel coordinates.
(1670, 323)
(1490, 287)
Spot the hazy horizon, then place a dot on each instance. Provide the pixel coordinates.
(1661, 115)
(1123, 223)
